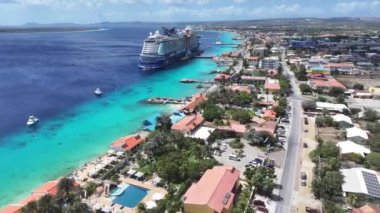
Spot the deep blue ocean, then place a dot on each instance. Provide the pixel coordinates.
(53, 76)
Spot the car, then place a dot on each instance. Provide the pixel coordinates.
(306, 121)
(303, 176)
(303, 183)
(311, 210)
(259, 203)
(285, 121)
(305, 145)
(306, 130)
(280, 127)
(233, 157)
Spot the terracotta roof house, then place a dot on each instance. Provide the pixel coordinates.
(222, 77)
(192, 105)
(240, 88)
(268, 126)
(269, 115)
(368, 208)
(235, 126)
(127, 143)
(326, 83)
(272, 85)
(188, 124)
(214, 192)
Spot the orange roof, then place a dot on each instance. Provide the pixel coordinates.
(272, 84)
(341, 65)
(13, 208)
(197, 99)
(213, 188)
(50, 187)
(234, 126)
(188, 123)
(268, 126)
(326, 83)
(128, 143)
(222, 77)
(240, 88)
(269, 114)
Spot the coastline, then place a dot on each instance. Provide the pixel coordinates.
(100, 150)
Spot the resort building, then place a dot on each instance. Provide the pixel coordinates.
(356, 135)
(343, 120)
(272, 62)
(269, 115)
(214, 192)
(342, 68)
(272, 85)
(348, 147)
(188, 124)
(234, 126)
(267, 126)
(127, 144)
(194, 103)
(361, 181)
(331, 107)
(325, 84)
(252, 61)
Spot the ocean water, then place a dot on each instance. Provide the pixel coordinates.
(53, 75)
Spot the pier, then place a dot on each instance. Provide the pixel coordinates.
(164, 100)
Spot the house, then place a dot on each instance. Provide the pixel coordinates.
(214, 192)
(267, 126)
(252, 61)
(361, 181)
(50, 187)
(126, 144)
(343, 120)
(222, 77)
(374, 90)
(342, 68)
(325, 83)
(272, 62)
(194, 103)
(269, 115)
(356, 135)
(368, 208)
(331, 107)
(234, 126)
(240, 88)
(349, 147)
(188, 124)
(272, 85)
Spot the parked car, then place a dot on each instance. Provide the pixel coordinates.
(303, 182)
(306, 121)
(305, 145)
(259, 203)
(311, 210)
(233, 157)
(303, 176)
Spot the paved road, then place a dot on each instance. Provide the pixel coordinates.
(288, 176)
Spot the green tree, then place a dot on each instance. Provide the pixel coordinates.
(305, 88)
(335, 91)
(164, 123)
(47, 204)
(65, 186)
(370, 115)
(141, 207)
(309, 105)
(263, 180)
(353, 200)
(79, 207)
(374, 142)
(242, 116)
(212, 112)
(331, 207)
(31, 207)
(358, 86)
(373, 160)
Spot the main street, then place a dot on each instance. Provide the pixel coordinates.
(290, 165)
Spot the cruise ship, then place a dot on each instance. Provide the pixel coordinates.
(161, 50)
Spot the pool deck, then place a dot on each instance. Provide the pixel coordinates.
(107, 201)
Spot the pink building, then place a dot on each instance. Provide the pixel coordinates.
(214, 192)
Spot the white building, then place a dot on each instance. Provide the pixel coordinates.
(343, 120)
(272, 62)
(361, 181)
(203, 133)
(331, 107)
(357, 135)
(349, 147)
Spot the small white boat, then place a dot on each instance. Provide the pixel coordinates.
(218, 43)
(32, 120)
(98, 92)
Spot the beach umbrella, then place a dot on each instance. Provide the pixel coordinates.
(151, 204)
(158, 196)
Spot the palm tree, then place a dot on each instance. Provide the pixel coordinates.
(47, 204)
(141, 207)
(65, 186)
(79, 207)
(31, 207)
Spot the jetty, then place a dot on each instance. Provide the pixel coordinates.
(185, 80)
(164, 100)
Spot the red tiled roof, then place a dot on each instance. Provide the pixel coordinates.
(341, 65)
(213, 187)
(234, 126)
(222, 77)
(269, 114)
(195, 101)
(240, 88)
(128, 143)
(268, 126)
(272, 85)
(327, 83)
(188, 123)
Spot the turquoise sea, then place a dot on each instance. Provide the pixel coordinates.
(78, 134)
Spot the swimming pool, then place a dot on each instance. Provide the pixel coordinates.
(131, 196)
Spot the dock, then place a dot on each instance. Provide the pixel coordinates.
(187, 81)
(164, 100)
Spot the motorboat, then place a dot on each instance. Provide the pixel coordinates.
(32, 120)
(98, 92)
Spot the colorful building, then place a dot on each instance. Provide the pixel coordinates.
(188, 124)
(126, 144)
(214, 192)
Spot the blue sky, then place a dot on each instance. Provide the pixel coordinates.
(13, 12)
